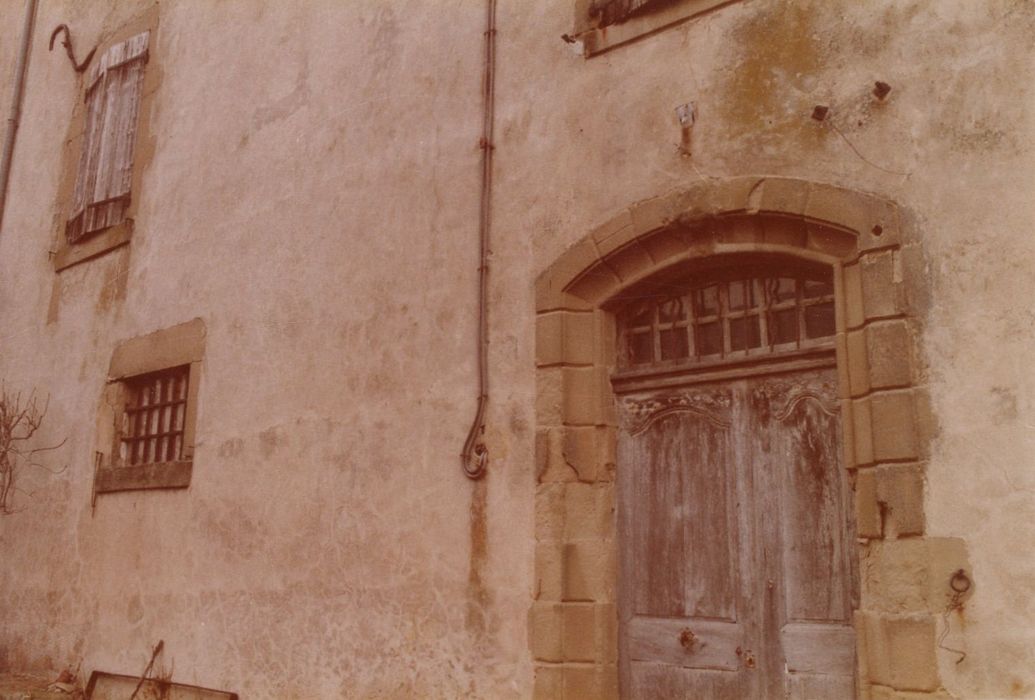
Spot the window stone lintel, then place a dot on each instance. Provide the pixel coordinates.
(170, 347)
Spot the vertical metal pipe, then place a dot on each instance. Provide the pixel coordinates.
(16, 104)
(475, 455)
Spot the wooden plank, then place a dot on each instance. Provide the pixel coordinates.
(81, 197)
(129, 107)
(117, 686)
(714, 644)
(815, 648)
(653, 378)
(661, 567)
(684, 540)
(163, 475)
(819, 687)
(807, 436)
(755, 452)
(709, 519)
(652, 681)
(101, 171)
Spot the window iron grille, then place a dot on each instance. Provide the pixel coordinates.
(153, 420)
(736, 317)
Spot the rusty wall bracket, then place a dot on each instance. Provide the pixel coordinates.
(67, 41)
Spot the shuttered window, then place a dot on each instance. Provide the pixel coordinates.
(102, 188)
(611, 12)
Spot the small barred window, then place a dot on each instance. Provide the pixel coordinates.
(154, 417)
(730, 317)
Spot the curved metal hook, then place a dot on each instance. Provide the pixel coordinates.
(79, 67)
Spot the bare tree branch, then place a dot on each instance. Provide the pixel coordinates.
(19, 421)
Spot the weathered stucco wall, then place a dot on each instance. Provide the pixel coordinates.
(312, 195)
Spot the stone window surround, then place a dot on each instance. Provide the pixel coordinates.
(597, 40)
(179, 345)
(63, 254)
(885, 408)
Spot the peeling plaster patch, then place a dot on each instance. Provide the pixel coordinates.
(1005, 404)
(270, 439)
(779, 52)
(134, 609)
(231, 448)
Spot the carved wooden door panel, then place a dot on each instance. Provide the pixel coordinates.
(736, 575)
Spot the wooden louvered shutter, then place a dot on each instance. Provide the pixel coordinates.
(102, 189)
(617, 11)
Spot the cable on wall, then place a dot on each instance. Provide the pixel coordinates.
(475, 456)
(16, 103)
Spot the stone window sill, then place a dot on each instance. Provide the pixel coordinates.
(159, 475)
(99, 244)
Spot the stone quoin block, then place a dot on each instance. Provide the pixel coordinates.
(855, 314)
(889, 352)
(900, 487)
(893, 421)
(591, 682)
(858, 362)
(550, 286)
(731, 196)
(630, 261)
(589, 571)
(830, 241)
(874, 220)
(862, 431)
(882, 291)
(549, 511)
(565, 338)
(549, 571)
(596, 285)
(586, 391)
(546, 629)
(549, 457)
(782, 196)
(844, 383)
(582, 451)
(780, 230)
(879, 356)
(549, 338)
(911, 644)
(588, 511)
(549, 683)
(613, 233)
(895, 578)
(867, 508)
(580, 632)
(739, 230)
(656, 212)
(549, 390)
(666, 245)
(900, 650)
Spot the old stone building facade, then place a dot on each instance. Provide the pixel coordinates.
(758, 315)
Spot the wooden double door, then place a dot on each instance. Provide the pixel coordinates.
(737, 570)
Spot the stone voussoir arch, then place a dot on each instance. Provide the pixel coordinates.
(573, 620)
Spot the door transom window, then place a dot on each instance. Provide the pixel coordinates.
(733, 314)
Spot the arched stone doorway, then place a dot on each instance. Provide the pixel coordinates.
(884, 415)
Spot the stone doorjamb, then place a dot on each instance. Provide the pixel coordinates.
(878, 276)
